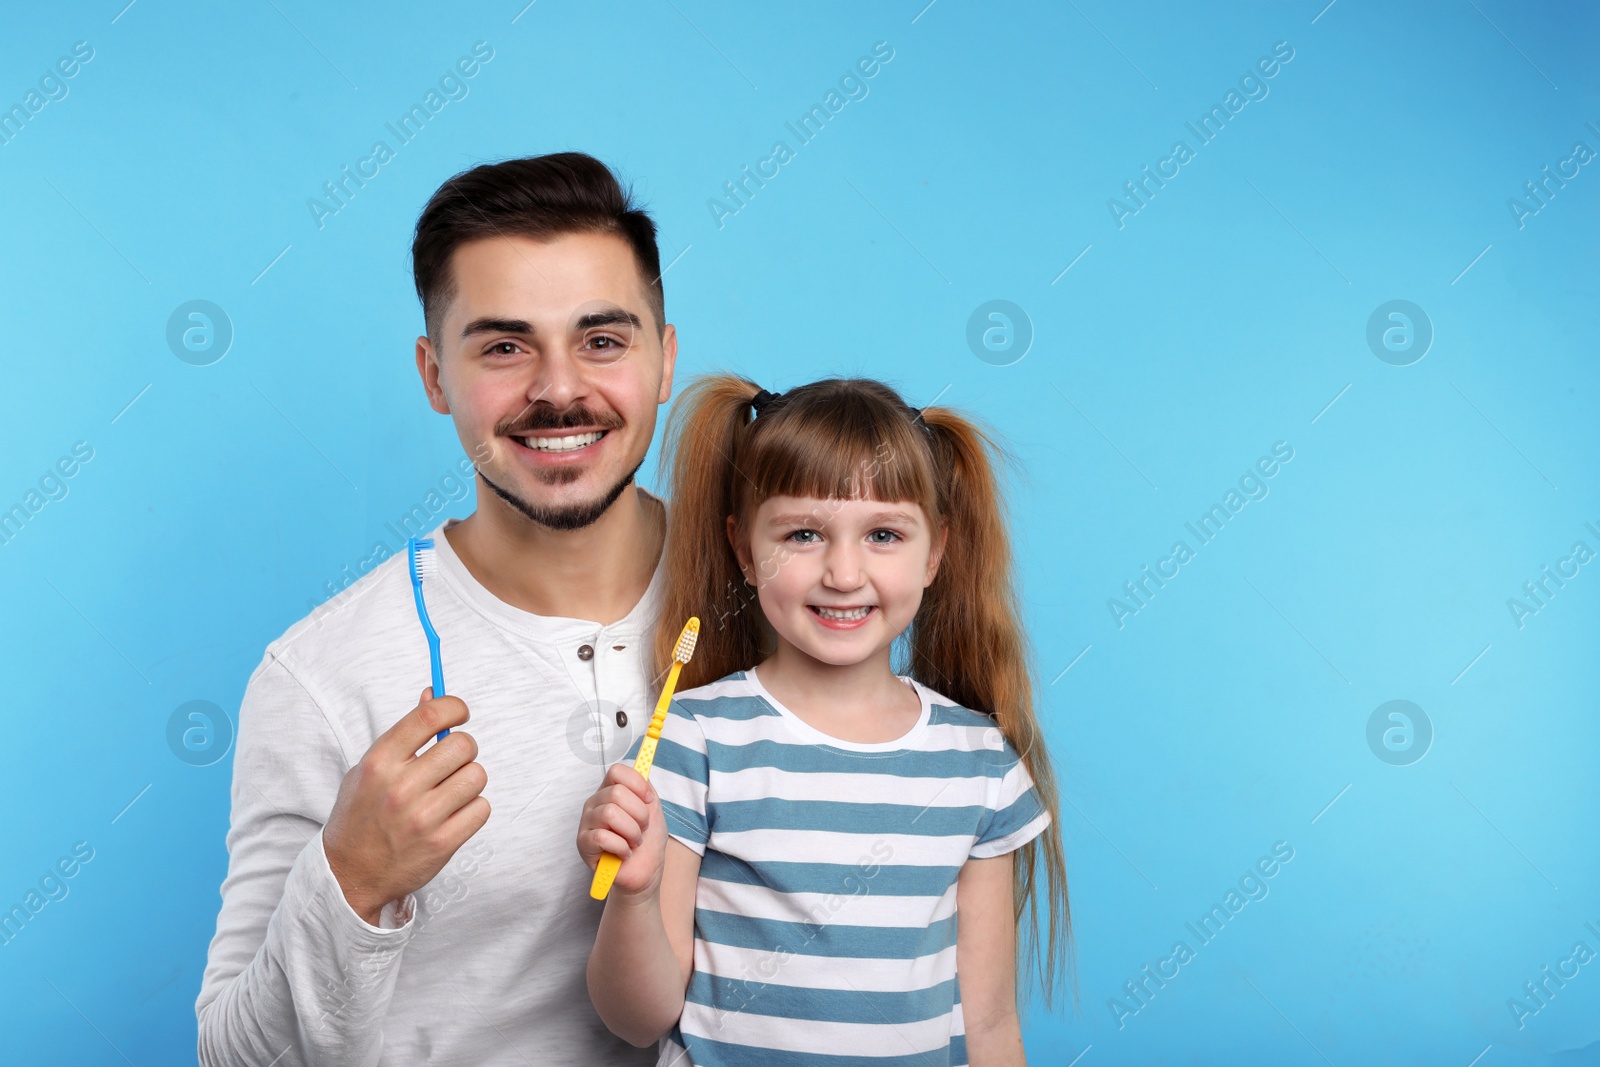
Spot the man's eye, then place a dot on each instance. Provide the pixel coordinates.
(605, 348)
(605, 342)
(503, 348)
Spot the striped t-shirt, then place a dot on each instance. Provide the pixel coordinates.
(825, 915)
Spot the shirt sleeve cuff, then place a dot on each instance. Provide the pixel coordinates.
(395, 915)
(1012, 841)
(680, 829)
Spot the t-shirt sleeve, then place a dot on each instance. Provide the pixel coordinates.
(681, 773)
(1015, 813)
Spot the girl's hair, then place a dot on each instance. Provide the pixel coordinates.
(847, 438)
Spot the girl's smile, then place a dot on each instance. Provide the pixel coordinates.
(841, 618)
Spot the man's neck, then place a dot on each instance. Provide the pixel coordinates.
(597, 573)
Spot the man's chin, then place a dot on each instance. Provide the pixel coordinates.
(567, 515)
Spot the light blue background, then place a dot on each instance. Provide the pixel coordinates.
(1229, 313)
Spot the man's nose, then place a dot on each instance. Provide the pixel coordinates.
(557, 380)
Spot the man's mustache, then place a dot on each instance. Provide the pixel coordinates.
(572, 418)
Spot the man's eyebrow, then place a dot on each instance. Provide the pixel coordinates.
(490, 324)
(614, 316)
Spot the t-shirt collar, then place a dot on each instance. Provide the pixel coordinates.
(910, 739)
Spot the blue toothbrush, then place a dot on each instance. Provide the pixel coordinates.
(424, 565)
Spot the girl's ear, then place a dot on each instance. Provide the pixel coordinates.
(936, 554)
(741, 549)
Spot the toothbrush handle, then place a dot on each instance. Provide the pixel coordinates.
(433, 651)
(605, 872)
(604, 875)
(438, 681)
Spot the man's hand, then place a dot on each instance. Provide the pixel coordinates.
(399, 817)
(624, 818)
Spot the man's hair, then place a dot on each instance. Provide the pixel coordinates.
(540, 197)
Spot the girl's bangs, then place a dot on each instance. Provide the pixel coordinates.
(868, 459)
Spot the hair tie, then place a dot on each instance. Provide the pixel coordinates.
(761, 400)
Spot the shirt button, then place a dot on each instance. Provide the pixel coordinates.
(586, 652)
(622, 717)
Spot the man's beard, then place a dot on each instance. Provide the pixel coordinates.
(570, 516)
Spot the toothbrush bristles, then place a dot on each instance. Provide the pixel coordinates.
(685, 646)
(427, 559)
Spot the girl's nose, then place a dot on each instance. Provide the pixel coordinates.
(844, 571)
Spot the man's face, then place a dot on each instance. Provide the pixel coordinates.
(549, 360)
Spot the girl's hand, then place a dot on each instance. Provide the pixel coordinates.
(624, 818)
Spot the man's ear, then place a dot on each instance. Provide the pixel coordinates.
(936, 554)
(741, 549)
(669, 362)
(428, 368)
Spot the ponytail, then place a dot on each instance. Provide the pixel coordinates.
(968, 643)
(703, 576)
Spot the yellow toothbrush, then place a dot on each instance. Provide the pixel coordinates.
(606, 871)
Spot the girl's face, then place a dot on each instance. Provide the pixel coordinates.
(838, 579)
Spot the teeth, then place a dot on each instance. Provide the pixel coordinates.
(560, 444)
(844, 616)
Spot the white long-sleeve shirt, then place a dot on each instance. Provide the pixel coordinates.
(484, 965)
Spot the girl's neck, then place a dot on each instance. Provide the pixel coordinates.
(864, 703)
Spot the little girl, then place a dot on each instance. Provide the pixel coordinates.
(831, 861)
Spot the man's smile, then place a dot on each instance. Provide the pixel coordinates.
(556, 442)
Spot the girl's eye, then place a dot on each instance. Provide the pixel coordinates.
(802, 537)
(889, 537)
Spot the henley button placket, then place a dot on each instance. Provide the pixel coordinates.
(614, 661)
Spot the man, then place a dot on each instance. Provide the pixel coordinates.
(375, 911)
